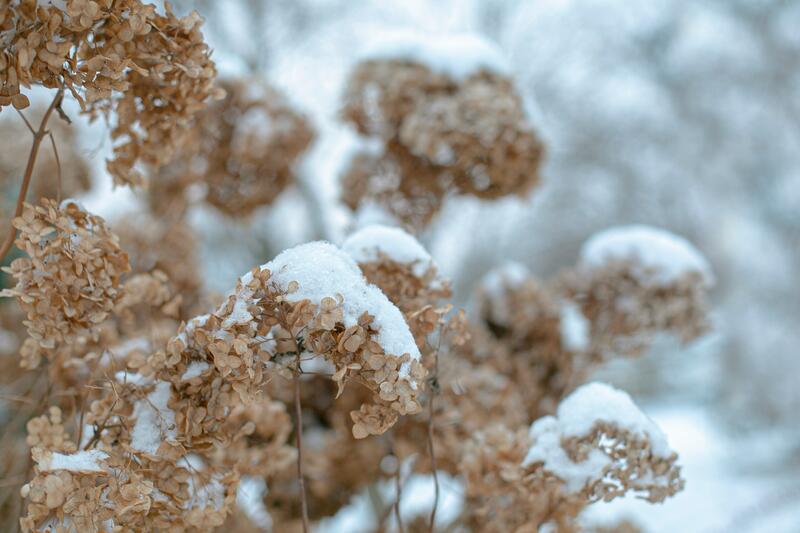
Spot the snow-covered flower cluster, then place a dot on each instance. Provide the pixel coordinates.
(449, 121)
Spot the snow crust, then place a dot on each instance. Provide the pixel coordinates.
(365, 244)
(154, 419)
(82, 461)
(321, 270)
(576, 415)
(664, 255)
(457, 55)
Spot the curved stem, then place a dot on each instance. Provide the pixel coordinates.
(38, 136)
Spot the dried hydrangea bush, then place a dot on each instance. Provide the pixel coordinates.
(329, 371)
(447, 126)
(175, 428)
(242, 153)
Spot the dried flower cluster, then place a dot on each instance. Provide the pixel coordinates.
(521, 482)
(152, 72)
(70, 280)
(441, 133)
(551, 335)
(243, 152)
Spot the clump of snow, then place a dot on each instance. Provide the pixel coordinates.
(547, 433)
(365, 245)
(575, 328)
(250, 500)
(154, 420)
(664, 256)
(82, 461)
(123, 376)
(194, 369)
(576, 415)
(457, 55)
(321, 270)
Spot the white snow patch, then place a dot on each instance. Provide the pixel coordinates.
(123, 376)
(663, 255)
(154, 419)
(82, 461)
(194, 369)
(575, 328)
(250, 500)
(211, 494)
(576, 415)
(456, 55)
(365, 244)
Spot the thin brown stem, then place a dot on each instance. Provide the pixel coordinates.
(58, 166)
(38, 136)
(434, 389)
(298, 411)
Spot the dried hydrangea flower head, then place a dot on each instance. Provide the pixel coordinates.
(450, 120)
(599, 446)
(70, 280)
(525, 332)
(70, 165)
(244, 151)
(400, 266)
(634, 282)
(310, 302)
(152, 71)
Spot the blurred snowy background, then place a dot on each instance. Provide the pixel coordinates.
(676, 113)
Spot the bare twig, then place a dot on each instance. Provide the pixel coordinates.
(38, 136)
(434, 389)
(27, 123)
(298, 410)
(58, 166)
